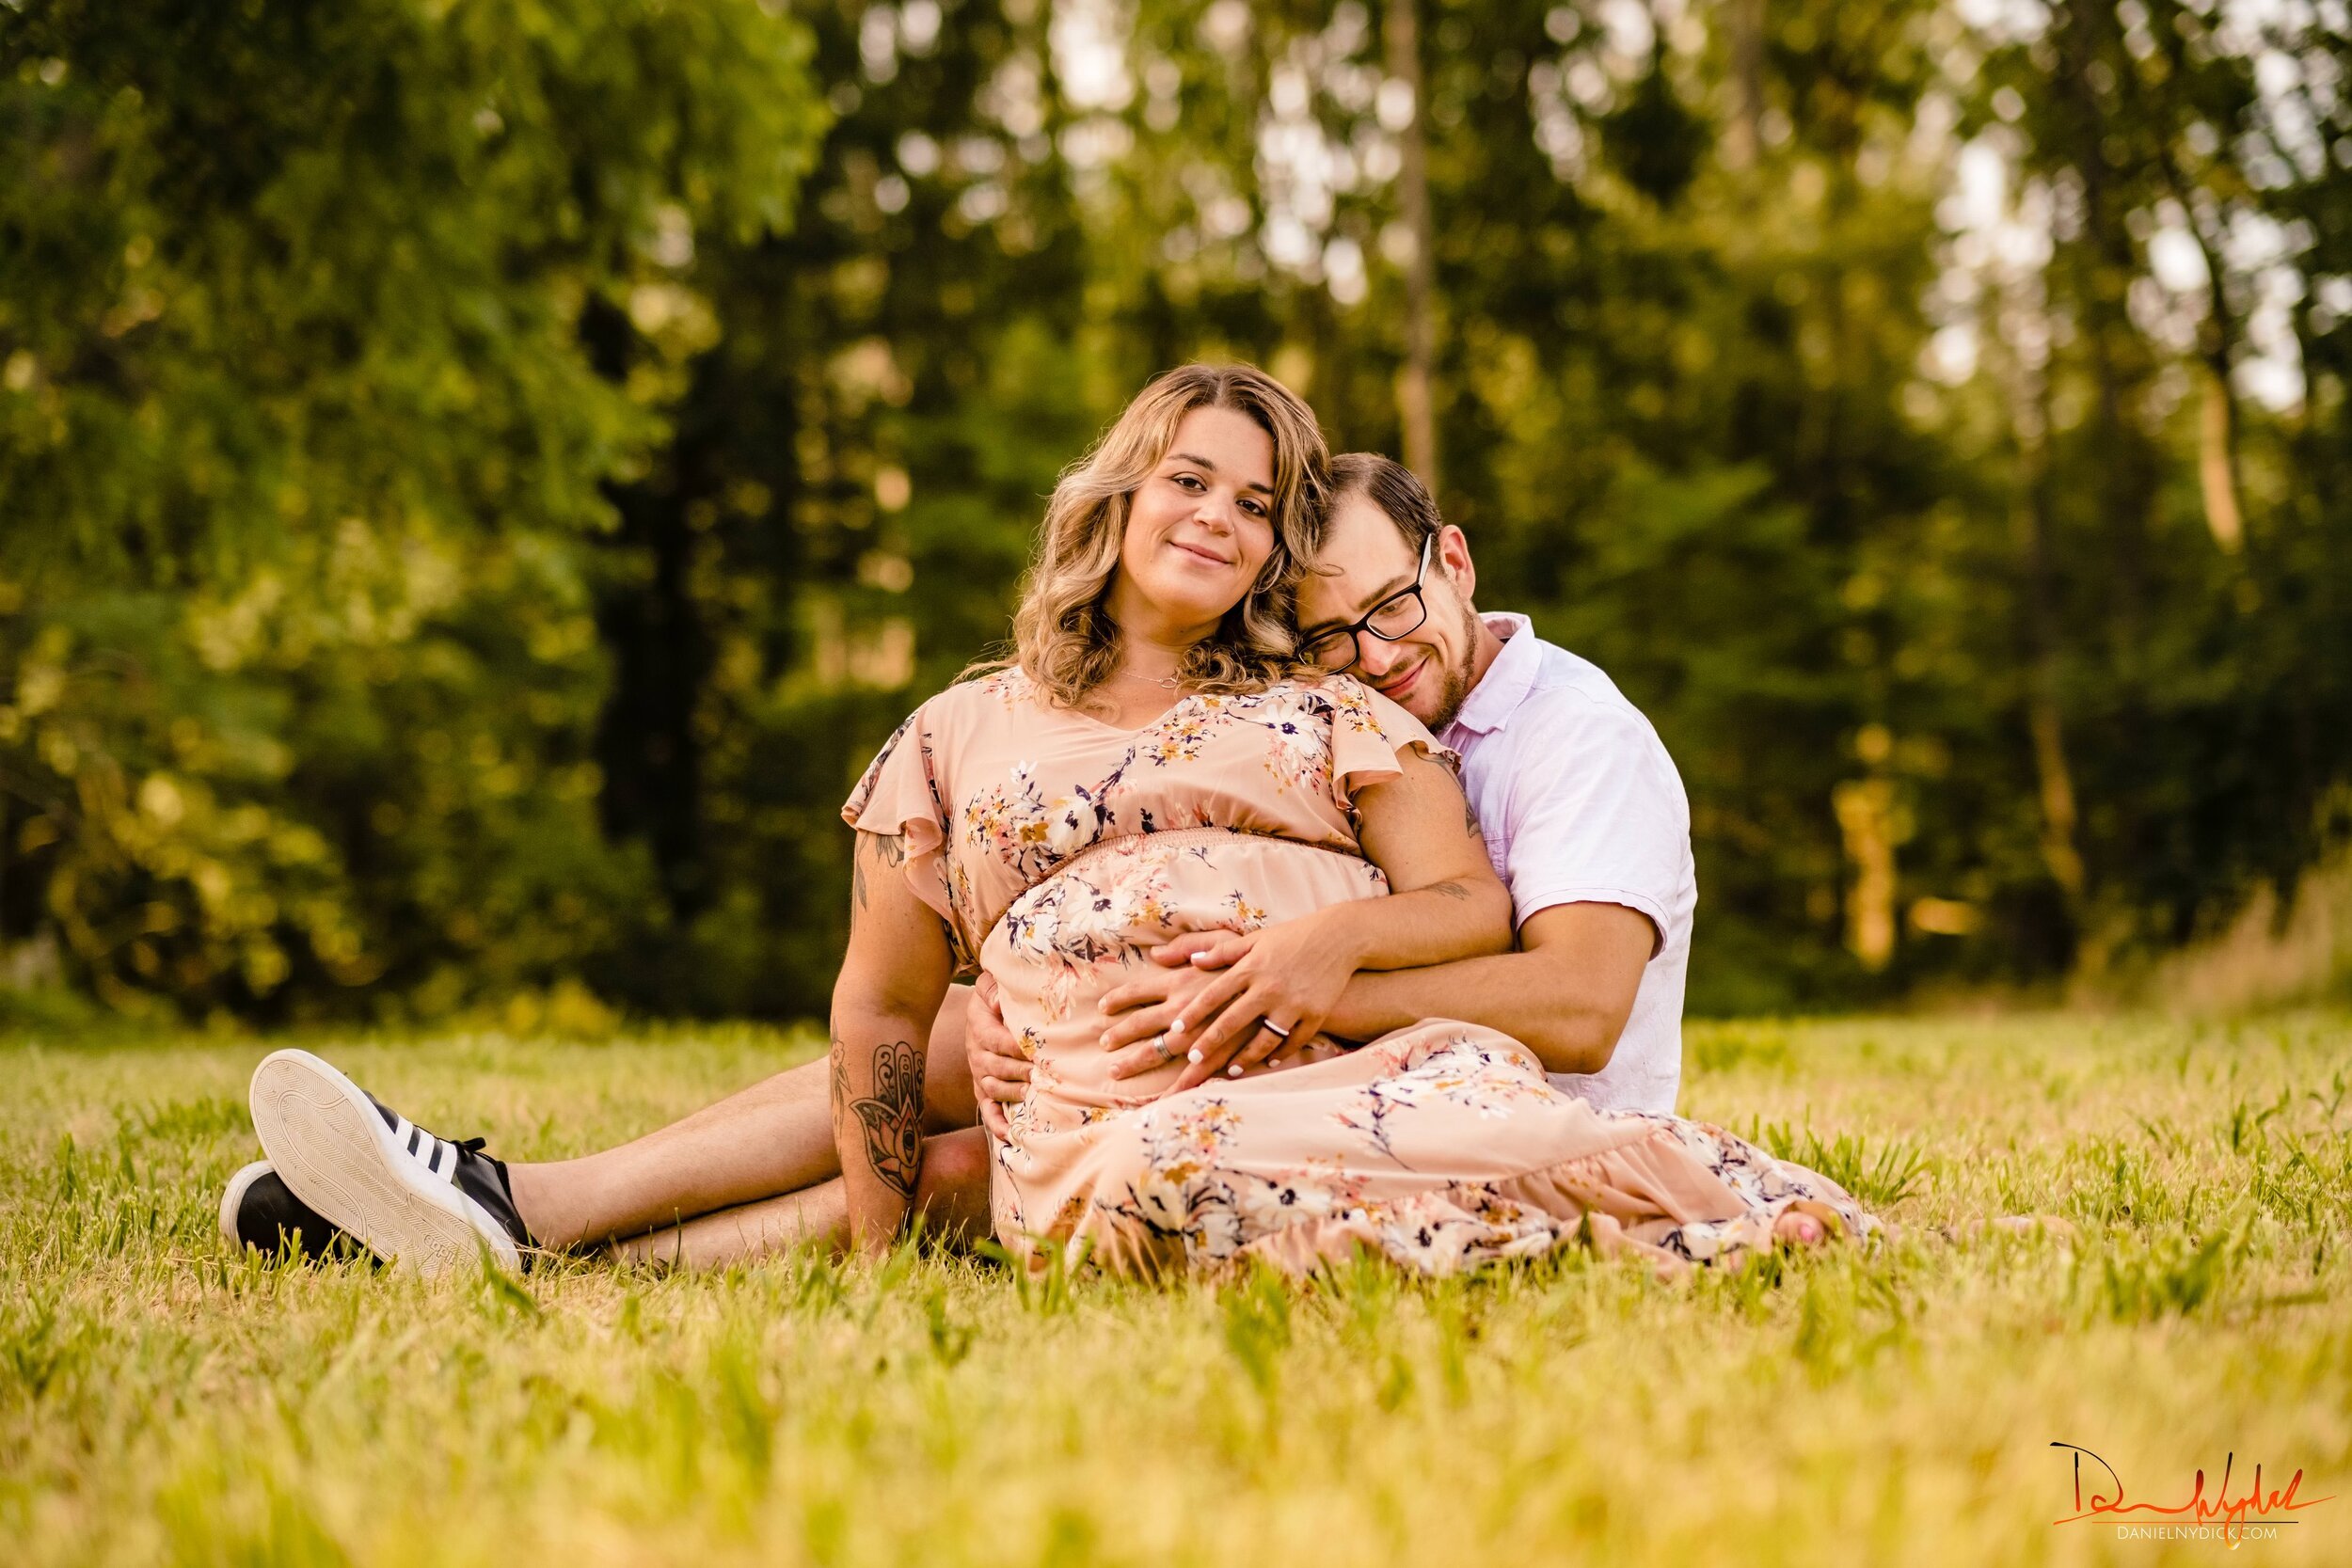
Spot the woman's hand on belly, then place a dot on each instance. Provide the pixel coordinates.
(1141, 1010)
(1262, 989)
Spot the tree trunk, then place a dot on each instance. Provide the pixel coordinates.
(2217, 463)
(1744, 140)
(1865, 820)
(2055, 778)
(2218, 337)
(661, 653)
(1416, 397)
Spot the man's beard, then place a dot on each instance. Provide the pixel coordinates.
(1456, 689)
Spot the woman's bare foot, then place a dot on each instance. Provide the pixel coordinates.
(1798, 1229)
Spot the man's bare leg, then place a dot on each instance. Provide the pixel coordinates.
(951, 1194)
(773, 1138)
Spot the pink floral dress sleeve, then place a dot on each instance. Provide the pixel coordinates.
(902, 796)
(1367, 733)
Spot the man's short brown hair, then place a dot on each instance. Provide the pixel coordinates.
(1394, 487)
(1390, 486)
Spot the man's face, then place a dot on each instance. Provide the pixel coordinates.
(1430, 669)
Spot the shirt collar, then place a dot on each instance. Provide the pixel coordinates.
(1508, 680)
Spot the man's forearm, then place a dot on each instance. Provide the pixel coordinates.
(1523, 994)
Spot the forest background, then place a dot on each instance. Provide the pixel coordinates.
(479, 477)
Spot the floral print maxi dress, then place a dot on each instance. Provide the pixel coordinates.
(1059, 851)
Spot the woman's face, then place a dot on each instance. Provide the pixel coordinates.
(1200, 527)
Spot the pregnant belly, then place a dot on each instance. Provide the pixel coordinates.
(1090, 927)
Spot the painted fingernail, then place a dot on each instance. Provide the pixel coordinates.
(1193, 1055)
(1234, 1071)
(1177, 1028)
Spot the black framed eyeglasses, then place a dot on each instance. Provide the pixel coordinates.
(1398, 615)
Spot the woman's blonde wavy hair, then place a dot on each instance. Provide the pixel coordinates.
(1064, 638)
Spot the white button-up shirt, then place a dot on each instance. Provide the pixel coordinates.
(1581, 804)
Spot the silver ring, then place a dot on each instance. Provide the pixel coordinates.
(1275, 1028)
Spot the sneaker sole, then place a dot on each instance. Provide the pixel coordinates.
(333, 1149)
(234, 1199)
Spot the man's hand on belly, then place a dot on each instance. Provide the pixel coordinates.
(1000, 1073)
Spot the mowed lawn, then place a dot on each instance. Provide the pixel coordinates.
(162, 1400)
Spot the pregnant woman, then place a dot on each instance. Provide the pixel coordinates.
(1152, 763)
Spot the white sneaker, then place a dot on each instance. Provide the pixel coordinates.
(414, 1199)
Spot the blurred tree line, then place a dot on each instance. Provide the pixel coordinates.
(477, 479)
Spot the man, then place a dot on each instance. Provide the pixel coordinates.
(1583, 813)
(1584, 817)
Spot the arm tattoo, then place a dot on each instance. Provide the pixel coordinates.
(892, 1115)
(1452, 890)
(888, 851)
(840, 1096)
(1470, 818)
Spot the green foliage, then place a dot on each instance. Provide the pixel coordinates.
(1044, 1290)
(1257, 1316)
(1881, 1177)
(480, 479)
(299, 439)
(2167, 1275)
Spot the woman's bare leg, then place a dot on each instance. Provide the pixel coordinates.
(773, 1138)
(951, 1196)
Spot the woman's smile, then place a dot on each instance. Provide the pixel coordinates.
(1203, 553)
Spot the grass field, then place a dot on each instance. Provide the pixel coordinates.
(163, 1400)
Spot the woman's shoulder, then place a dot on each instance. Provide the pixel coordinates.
(943, 728)
(1344, 699)
(991, 694)
(1355, 711)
